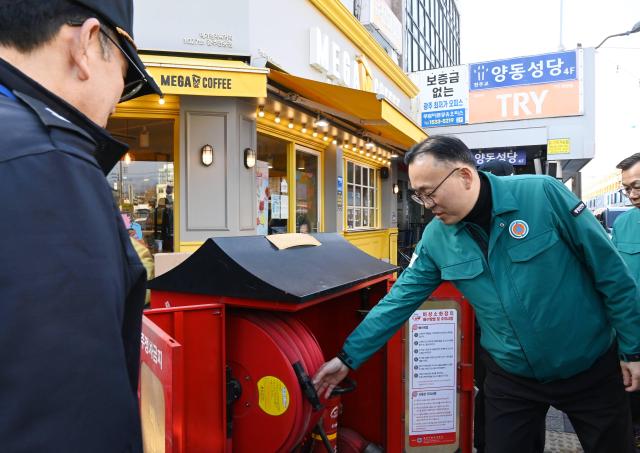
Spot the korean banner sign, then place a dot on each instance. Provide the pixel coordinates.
(547, 68)
(444, 96)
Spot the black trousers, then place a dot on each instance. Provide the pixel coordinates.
(480, 374)
(594, 400)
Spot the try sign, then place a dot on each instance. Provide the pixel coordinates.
(525, 102)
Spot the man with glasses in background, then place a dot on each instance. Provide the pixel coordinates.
(555, 302)
(626, 238)
(71, 286)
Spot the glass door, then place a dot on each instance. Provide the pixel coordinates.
(272, 186)
(307, 191)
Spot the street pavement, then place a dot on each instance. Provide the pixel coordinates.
(561, 437)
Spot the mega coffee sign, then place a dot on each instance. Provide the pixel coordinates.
(214, 82)
(195, 81)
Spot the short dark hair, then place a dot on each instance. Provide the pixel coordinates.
(629, 162)
(444, 148)
(28, 24)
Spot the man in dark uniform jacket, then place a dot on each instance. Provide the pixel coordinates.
(71, 285)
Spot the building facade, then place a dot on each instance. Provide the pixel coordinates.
(267, 124)
(432, 30)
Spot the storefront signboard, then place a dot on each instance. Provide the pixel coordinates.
(444, 96)
(530, 70)
(344, 67)
(433, 377)
(205, 82)
(515, 157)
(525, 102)
(379, 15)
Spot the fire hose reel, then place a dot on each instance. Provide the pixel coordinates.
(272, 404)
(272, 413)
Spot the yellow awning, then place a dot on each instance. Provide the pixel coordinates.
(206, 77)
(374, 114)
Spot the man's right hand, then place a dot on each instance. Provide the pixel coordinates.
(329, 375)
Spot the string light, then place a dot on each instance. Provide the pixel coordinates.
(321, 122)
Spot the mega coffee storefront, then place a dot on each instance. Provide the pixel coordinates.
(182, 175)
(260, 135)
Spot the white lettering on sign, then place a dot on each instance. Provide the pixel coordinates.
(521, 103)
(223, 40)
(150, 349)
(339, 65)
(346, 65)
(319, 50)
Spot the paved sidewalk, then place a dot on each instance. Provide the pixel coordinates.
(561, 437)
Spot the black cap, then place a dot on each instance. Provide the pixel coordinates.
(498, 167)
(118, 15)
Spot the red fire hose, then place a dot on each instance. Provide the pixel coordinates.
(272, 413)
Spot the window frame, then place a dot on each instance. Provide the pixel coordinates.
(373, 187)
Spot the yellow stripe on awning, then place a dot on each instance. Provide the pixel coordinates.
(373, 113)
(206, 77)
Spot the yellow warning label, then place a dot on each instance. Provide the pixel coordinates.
(273, 395)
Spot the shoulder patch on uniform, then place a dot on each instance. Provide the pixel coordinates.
(579, 209)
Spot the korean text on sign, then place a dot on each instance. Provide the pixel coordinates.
(516, 157)
(444, 95)
(547, 68)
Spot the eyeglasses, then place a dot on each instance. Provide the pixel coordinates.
(630, 188)
(131, 88)
(427, 200)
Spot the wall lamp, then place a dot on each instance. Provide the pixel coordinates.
(249, 158)
(206, 155)
(396, 189)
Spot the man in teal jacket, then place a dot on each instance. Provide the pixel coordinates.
(626, 229)
(626, 237)
(554, 300)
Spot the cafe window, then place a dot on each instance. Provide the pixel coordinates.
(272, 186)
(307, 191)
(362, 195)
(142, 182)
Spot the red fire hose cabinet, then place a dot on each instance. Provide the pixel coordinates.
(237, 331)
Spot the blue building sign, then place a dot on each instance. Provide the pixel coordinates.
(546, 68)
(450, 117)
(515, 157)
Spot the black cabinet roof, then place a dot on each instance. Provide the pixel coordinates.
(253, 268)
